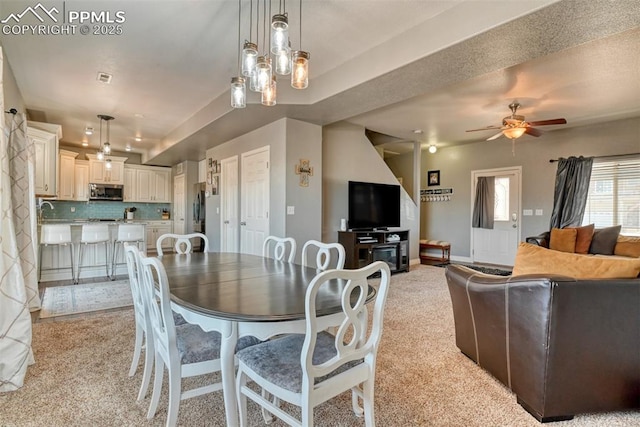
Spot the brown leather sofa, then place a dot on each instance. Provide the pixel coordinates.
(563, 346)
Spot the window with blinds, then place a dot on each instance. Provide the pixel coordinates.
(614, 195)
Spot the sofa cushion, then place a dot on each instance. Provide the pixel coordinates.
(583, 238)
(628, 246)
(563, 240)
(604, 240)
(532, 259)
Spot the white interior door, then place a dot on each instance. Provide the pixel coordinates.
(499, 245)
(179, 204)
(230, 220)
(254, 200)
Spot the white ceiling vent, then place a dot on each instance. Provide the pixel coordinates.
(104, 77)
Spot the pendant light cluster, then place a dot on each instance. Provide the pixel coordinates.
(258, 69)
(104, 151)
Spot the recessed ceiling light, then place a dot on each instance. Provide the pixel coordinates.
(127, 148)
(88, 130)
(139, 116)
(418, 131)
(85, 144)
(138, 139)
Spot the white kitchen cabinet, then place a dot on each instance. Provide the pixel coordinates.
(46, 157)
(152, 185)
(67, 176)
(82, 180)
(99, 174)
(129, 189)
(156, 229)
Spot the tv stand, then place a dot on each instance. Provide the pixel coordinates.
(362, 247)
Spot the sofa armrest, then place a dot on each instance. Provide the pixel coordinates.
(540, 240)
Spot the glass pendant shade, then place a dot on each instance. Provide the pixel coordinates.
(263, 73)
(107, 164)
(514, 133)
(249, 57)
(253, 81)
(279, 33)
(299, 69)
(107, 148)
(238, 93)
(269, 94)
(283, 61)
(100, 154)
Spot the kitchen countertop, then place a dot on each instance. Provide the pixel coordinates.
(81, 221)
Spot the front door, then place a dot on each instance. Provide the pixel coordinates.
(254, 200)
(499, 245)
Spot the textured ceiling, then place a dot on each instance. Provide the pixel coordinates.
(390, 66)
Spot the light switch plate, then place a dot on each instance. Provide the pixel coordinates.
(527, 212)
(291, 210)
(538, 212)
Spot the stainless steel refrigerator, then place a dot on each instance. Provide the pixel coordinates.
(199, 214)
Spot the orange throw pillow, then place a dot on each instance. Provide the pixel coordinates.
(563, 240)
(533, 259)
(628, 246)
(583, 238)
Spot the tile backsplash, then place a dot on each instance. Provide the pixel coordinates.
(103, 209)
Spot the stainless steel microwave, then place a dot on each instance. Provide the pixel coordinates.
(113, 192)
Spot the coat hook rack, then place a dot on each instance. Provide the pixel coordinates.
(12, 111)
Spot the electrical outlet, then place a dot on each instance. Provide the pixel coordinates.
(291, 210)
(73, 209)
(158, 210)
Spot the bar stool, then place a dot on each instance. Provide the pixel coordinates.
(94, 234)
(59, 235)
(130, 233)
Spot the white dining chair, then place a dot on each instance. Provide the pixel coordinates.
(182, 244)
(327, 255)
(307, 370)
(186, 350)
(278, 247)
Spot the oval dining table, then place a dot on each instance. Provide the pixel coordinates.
(246, 295)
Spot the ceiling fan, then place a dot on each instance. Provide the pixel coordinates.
(514, 126)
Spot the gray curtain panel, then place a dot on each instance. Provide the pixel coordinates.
(484, 203)
(572, 188)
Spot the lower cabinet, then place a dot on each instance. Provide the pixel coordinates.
(156, 229)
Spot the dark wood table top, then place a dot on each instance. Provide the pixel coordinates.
(245, 287)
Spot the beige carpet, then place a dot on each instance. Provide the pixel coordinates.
(80, 376)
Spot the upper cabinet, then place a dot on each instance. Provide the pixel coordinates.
(45, 139)
(82, 180)
(148, 184)
(100, 174)
(67, 178)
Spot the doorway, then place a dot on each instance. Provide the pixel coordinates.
(229, 193)
(254, 200)
(499, 245)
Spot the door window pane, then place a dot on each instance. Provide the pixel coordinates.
(501, 209)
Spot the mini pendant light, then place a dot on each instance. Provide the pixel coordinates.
(106, 148)
(269, 94)
(279, 33)
(283, 61)
(238, 89)
(263, 73)
(300, 63)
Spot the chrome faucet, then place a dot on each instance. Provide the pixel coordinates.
(40, 205)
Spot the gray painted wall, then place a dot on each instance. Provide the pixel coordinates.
(289, 140)
(12, 96)
(451, 220)
(349, 156)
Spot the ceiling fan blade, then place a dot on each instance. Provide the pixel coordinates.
(496, 136)
(532, 131)
(487, 128)
(549, 122)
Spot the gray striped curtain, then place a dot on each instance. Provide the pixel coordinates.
(484, 203)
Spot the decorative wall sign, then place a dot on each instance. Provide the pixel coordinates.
(436, 195)
(305, 171)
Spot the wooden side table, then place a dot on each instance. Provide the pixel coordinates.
(443, 246)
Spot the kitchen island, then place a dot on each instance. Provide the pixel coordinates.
(56, 261)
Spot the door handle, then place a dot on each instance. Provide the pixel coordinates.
(226, 222)
(514, 226)
(243, 223)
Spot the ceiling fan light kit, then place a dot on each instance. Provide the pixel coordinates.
(514, 126)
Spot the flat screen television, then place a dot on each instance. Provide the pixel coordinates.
(373, 206)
